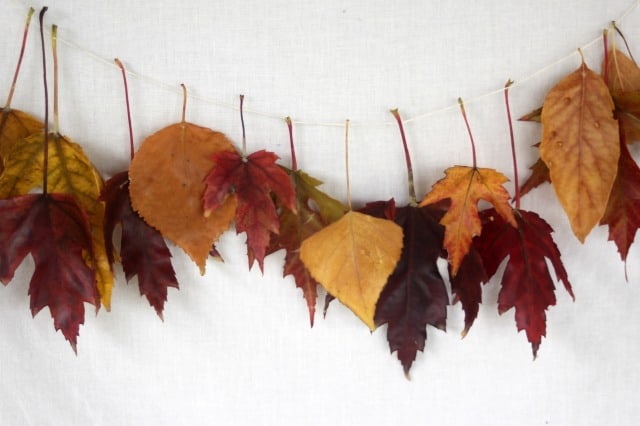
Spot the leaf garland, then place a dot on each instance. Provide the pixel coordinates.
(188, 183)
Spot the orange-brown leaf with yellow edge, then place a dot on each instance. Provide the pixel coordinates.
(623, 74)
(14, 126)
(166, 188)
(465, 187)
(352, 258)
(580, 146)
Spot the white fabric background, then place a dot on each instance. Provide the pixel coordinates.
(235, 346)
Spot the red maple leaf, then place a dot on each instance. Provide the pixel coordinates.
(55, 231)
(526, 283)
(623, 209)
(253, 179)
(143, 250)
(466, 286)
(415, 294)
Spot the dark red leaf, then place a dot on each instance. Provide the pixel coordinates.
(526, 283)
(143, 250)
(253, 179)
(415, 294)
(56, 232)
(466, 286)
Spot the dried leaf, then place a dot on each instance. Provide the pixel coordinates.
(166, 187)
(54, 230)
(465, 187)
(143, 250)
(252, 180)
(526, 282)
(352, 259)
(70, 172)
(466, 286)
(15, 125)
(580, 146)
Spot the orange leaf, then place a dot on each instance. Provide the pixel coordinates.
(580, 146)
(166, 189)
(352, 259)
(623, 73)
(466, 186)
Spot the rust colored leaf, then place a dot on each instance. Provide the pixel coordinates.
(55, 231)
(142, 249)
(534, 115)
(352, 258)
(252, 180)
(623, 210)
(526, 283)
(580, 146)
(70, 172)
(315, 211)
(539, 176)
(166, 186)
(415, 294)
(623, 73)
(465, 187)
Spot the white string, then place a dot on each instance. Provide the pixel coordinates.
(177, 89)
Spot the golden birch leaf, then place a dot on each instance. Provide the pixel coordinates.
(167, 183)
(69, 172)
(465, 187)
(580, 146)
(352, 259)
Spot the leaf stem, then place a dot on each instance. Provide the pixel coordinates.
(466, 122)
(126, 97)
(346, 161)
(513, 144)
(244, 134)
(54, 50)
(45, 163)
(605, 43)
(624, 39)
(294, 163)
(412, 191)
(184, 102)
(24, 43)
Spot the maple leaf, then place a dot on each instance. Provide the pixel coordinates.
(352, 259)
(526, 282)
(166, 186)
(415, 294)
(539, 176)
(315, 211)
(623, 209)
(466, 286)
(14, 126)
(252, 180)
(55, 231)
(69, 172)
(465, 186)
(143, 250)
(580, 146)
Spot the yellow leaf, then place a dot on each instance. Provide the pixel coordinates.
(466, 186)
(352, 259)
(14, 126)
(580, 146)
(167, 182)
(69, 172)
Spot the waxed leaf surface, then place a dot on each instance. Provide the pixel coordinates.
(315, 211)
(415, 294)
(15, 125)
(623, 210)
(580, 146)
(526, 282)
(465, 187)
(54, 230)
(166, 187)
(69, 172)
(143, 251)
(352, 258)
(252, 180)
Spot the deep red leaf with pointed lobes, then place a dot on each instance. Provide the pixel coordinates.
(526, 283)
(623, 210)
(315, 211)
(143, 250)
(415, 294)
(55, 231)
(466, 286)
(252, 179)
